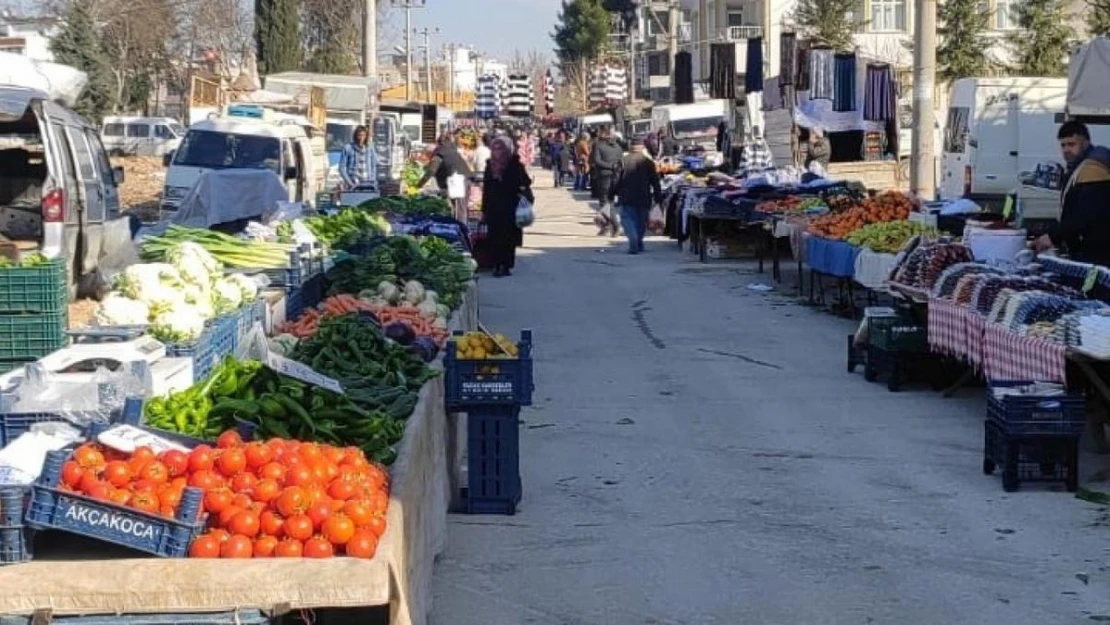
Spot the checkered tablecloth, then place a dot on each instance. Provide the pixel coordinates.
(1011, 356)
(947, 328)
(975, 328)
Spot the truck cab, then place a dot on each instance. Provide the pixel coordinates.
(693, 125)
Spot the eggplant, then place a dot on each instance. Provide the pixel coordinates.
(425, 347)
(400, 333)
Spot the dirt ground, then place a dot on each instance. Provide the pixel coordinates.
(144, 178)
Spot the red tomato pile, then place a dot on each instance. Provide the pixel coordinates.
(280, 498)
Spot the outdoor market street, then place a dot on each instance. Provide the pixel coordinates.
(697, 455)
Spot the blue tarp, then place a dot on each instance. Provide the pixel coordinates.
(834, 258)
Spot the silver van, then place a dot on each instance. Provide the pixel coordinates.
(58, 191)
(141, 136)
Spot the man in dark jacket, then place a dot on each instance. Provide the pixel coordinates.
(1084, 227)
(605, 160)
(637, 185)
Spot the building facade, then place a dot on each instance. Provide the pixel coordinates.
(28, 36)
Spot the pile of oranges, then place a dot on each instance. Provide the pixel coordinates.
(889, 206)
(277, 498)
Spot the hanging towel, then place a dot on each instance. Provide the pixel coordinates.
(878, 93)
(801, 74)
(683, 78)
(753, 72)
(844, 82)
(722, 71)
(787, 44)
(821, 75)
(772, 94)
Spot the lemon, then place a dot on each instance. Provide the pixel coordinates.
(478, 354)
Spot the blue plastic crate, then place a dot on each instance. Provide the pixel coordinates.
(238, 617)
(219, 339)
(247, 317)
(493, 460)
(54, 509)
(1030, 457)
(15, 539)
(495, 382)
(13, 424)
(1032, 415)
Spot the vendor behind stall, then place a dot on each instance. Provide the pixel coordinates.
(819, 149)
(1084, 227)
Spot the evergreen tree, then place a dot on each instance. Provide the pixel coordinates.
(78, 44)
(1044, 41)
(277, 35)
(963, 39)
(832, 22)
(582, 30)
(1098, 17)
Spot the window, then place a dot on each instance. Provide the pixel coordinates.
(955, 129)
(138, 131)
(337, 136)
(1006, 14)
(84, 156)
(888, 16)
(218, 150)
(659, 65)
(162, 131)
(736, 18)
(113, 130)
(101, 157)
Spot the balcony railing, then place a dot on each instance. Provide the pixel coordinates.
(741, 33)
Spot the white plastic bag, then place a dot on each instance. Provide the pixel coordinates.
(456, 186)
(525, 215)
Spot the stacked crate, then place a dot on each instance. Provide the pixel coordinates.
(33, 312)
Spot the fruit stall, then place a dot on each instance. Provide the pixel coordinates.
(319, 455)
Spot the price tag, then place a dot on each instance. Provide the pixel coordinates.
(302, 372)
(128, 438)
(1092, 277)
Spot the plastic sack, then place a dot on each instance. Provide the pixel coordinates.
(456, 186)
(525, 215)
(656, 221)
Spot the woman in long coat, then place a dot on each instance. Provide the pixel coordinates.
(506, 181)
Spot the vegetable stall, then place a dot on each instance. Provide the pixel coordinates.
(316, 457)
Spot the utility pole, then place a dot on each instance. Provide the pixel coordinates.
(452, 52)
(922, 160)
(370, 39)
(408, 6)
(672, 45)
(427, 33)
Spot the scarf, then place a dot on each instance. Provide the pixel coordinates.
(497, 165)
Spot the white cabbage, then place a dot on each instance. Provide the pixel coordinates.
(196, 264)
(248, 288)
(119, 310)
(226, 296)
(182, 325)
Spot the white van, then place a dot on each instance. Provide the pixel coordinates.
(141, 136)
(235, 142)
(692, 124)
(995, 129)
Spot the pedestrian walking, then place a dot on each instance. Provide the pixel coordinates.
(506, 182)
(358, 164)
(637, 188)
(605, 159)
(559, 154)
(481, 156)
(756, 156)
(582, 162)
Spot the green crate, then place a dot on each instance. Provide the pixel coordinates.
(40, 289)
(898, 333)
(31, 336)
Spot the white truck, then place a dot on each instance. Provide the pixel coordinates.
(693, 125)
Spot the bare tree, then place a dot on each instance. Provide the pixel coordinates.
(573, 94)
(533, 64)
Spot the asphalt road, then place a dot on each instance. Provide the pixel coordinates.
(698, 455)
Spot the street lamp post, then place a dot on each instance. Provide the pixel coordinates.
(408, 6)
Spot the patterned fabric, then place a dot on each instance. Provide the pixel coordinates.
(821, 74)
(948, 328)
(1009, 356)
(756, 157)
(878, 94)
(788, 43)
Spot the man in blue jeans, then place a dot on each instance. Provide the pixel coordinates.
(637, 186)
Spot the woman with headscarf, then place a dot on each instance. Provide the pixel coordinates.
(506, 181)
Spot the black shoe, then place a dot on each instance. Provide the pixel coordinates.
(498, 272)
(506, 273)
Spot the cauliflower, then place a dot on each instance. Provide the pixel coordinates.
(226, 296)
(414, 292)
(247, 286)
(149, 282)
(195, 264)
(181, 325)
(119, 310)
(199, 298)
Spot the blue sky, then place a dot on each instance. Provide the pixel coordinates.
(497, 27)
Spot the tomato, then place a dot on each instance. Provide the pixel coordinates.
(177, 462)
(223, 519)
(310, 452)
(156, 472)
(89, 457)
(72, 474)
(167, 511)
(205, 546)
(335, 455)
(99, 490)
(231, 462)
(289, 548)
(170, 497)
(144, 486)
(358, 511)
(238, 546)
(318, 547)
(217, 500)
(241, 500)
(220, 533)
(376, 525)
(245, 523)
(362, 545)
(338, 529)
(117, 473)
(379, 502)
(201, 459)
(272, 471)
(146, 502)
(141, 457)
(243, 483)
(337, 505)
(119, 496)
(298, 526)
(316, 492)
(266, 491)
(270, 524)
(342, 489)
(319, 512)
(291, 501)
(144, 453)
(264, 546)
(229, 439)
(258, 455)
(353, 455)
(88, 480)
(299, 475)
(179, 482)
(375, 477)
